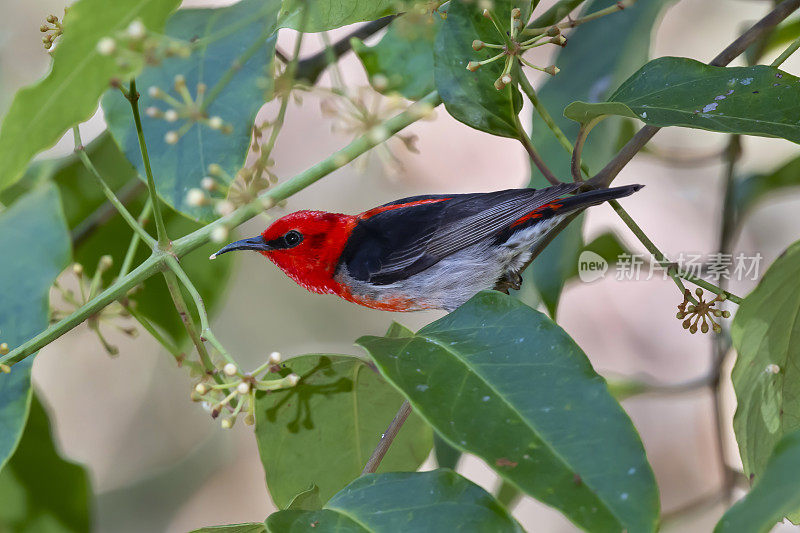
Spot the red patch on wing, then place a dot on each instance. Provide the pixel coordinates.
(536, 213)
(372, 212)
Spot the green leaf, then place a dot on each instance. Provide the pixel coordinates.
(182, 166)
(327, 15)
(47, 489)
(764, 333)
(502, 381)
(446, 455)
(42, 112)
(774, 495)
(250, 527)
(323, 430)
(403, 501)
(674, 91)
(81, 196)
(402, 61)
(308, 500)
(470, 97)
(34, 239)
(597, 58)
(752, 189)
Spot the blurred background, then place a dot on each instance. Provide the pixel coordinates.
(158, 462)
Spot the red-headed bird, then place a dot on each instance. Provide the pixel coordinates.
(423, 252)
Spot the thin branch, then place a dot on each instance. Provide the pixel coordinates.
(555, 14)
(792, 48)
(105, 212)
(161, 229)
(112, 198)
(387, 438)
(571, 23)
(533, 154)
(127, 262)
(583, 133)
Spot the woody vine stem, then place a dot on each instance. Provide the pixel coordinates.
(166, 254)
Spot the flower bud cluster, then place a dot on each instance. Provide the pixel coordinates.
(188, 109)
(693, 313)
(115, 315)
(234, 394)
(135, 46)
(52, 29)
(513, 46)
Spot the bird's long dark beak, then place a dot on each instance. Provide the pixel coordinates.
(253, 243)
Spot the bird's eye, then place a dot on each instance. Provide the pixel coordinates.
(293, 238)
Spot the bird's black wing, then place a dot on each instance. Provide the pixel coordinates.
(397, 240)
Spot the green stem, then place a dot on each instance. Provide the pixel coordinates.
(134, 244)
(786, 53)
(205, 327)
(202, 235)
(123, 211)
(553, 15)
(533, 154)
(619, 6)
(161, 229)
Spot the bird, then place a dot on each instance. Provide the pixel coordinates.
(421, 252)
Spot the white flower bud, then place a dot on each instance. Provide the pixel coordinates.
(171, 115)
(77, 269)
(292, 379)
(208, 183)
(195, 198)
(201, 388)
(152, 112)
(230, 369)
(219, 234)
(215, 123)
(171, 137)
(243, 388)
(380, 82)
(136, 30)
(3, 348)
(154, 92)
(772, 369)
(215, 170)
(224, 208)
(274, 358)
(226, 423)
(106, 46)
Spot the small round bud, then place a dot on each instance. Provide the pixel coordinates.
(43, 28)
(560, 40)
(704, 328)
(274, 358)
(106, 46)
(226, 423)
(215, 170)
(5, 369)
(230, 369)
(243, 388)
(3, 348)
(215, 123)
(726, 314)
(152, 112)
(380, 82)
(249, 419)
(105, 263)
(499, 84)
(478, 45)
(717, 328)
(155, 92)
(693, 329)
(552, 70)
(506, 78)
(201, 388)
(293, 379)
(77, 269)
(472, 66)
(171, 115)
(516, 13)
(722, 297)
(52, 19)
(136, 30)
(195, 198)
(772, 369)
(219, 234)
(699, 292)
(224, 208)
(552, 31)
(679, 315)
(180, 81)
(208, 183)
(171, 137)
(687, 323)
(486, 14)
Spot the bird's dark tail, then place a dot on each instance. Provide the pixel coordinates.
(586, 199)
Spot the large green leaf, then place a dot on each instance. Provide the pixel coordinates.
(48, 493)
(42, 112)
(33, 237)
(471, 97)
(502, 381)
(81, 196)
(598, 57)
(439, 500)
(402, 61)
(323, 430)
(250, 527)
(766, 376)
(226, 34)
(327, 15)
(775, 494)
(674, 91)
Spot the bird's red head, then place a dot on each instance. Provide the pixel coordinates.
(306, 245)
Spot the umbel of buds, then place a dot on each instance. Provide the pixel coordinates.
(52, 29)
(693, 313)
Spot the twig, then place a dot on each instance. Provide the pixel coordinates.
(571, 23)
(161, 230)
(134, 244)
(792, 48)
(387, 438)
(583, 133)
